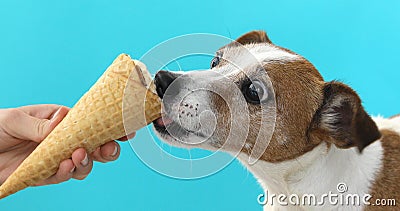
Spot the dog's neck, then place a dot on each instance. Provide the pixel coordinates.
(320, 170)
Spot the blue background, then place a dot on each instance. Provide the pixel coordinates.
(53, 51)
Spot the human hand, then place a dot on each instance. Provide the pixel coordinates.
(21, 131)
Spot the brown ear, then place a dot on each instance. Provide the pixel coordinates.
(254, 37)
(342, 120)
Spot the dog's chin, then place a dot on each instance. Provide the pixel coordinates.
(174, 134)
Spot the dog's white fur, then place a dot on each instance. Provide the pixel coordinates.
(263, 52)
(303, 175)
(390, 124)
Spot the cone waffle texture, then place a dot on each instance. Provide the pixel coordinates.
(96, 119)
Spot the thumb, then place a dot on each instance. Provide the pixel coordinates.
(39, 129)
(26, 127)
(42, 127)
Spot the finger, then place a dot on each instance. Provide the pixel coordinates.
(63, 174)
(26, 127)
(107, 152)
(128, 137)
(110, 151)
(82, 162)
(44, 111)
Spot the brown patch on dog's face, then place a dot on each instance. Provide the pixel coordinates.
(387, 185)
(303, 101)
(298, 94)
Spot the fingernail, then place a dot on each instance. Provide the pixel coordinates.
(72, 170)
(85, 161)
(115, 151)
(55, 115)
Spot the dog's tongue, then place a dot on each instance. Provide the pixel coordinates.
(163, 121)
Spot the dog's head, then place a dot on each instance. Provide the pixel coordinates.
(251, 83)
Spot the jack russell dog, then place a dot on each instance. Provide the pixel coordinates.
(321, 137)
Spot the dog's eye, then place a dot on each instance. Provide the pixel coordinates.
(214, 62)
(255, 92)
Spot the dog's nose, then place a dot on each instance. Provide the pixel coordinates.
(162, 81)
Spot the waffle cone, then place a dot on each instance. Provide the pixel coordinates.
(122, 94)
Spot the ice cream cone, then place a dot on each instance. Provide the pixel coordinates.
(123, 93)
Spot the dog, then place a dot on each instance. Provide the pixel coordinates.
(318, 137)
